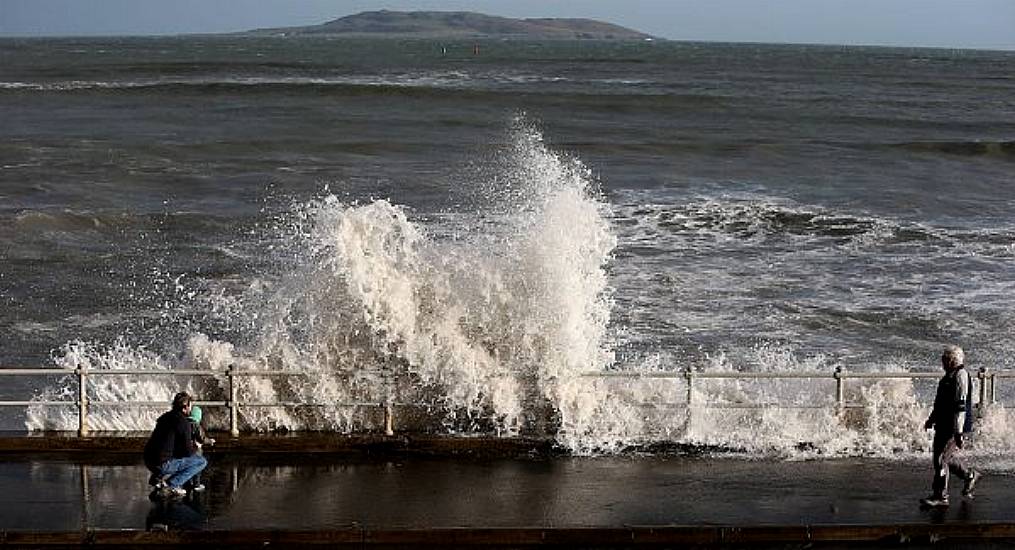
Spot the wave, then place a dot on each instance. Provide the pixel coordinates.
(35, 222)
(618, 93)
(77, 321)
(750, 218)
(237, 83)
(407, 80)
(1003, 149)
(972, 148)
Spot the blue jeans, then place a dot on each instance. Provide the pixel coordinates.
(179, 470)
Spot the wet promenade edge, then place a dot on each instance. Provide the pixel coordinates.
(438, 491)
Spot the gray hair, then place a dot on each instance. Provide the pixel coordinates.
(953, 355)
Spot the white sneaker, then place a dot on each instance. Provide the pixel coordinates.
(176, 492)
(934, 502)
(199, 487)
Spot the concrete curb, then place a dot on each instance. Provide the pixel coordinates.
(631, 536)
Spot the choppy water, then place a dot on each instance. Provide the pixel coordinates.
(475, 232)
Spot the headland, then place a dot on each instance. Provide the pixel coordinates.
(457, 25)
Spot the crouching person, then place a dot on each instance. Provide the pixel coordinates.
(170, 453)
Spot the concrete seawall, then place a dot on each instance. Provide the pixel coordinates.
(306, 442)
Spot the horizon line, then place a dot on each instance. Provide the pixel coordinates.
(653, 38)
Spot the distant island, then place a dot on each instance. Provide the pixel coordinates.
(457, 24)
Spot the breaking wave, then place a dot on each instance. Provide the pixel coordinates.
(755, 219)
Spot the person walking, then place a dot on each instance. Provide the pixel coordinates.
(170, 453)
(950, 418)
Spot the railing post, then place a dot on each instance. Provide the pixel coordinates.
(82, 401)
(982, 405)
(993, 388)
(234, 416)
(840, 390)
(689, 375)
(388, 418)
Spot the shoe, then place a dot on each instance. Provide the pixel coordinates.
(967, 489)
(176, 492)
(157, 482)
(199, 487)
(934, 501)
(164, 493)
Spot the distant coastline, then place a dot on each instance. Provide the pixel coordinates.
(456, 25)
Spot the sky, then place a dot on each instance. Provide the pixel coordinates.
(983, 24)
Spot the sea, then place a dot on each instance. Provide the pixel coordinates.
(508, 238)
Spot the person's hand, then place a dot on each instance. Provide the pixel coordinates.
(958, 440)
(210, 441)
(928, 424)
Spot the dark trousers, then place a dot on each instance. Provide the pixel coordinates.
(947, 458)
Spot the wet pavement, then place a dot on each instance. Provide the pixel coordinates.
(296, 491)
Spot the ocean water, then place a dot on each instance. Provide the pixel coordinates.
(470, 235)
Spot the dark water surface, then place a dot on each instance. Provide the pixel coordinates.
(772, 204)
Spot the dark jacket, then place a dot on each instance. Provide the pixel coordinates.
(170, 439)
(953, 403)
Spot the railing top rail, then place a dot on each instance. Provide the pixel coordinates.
(196, 372)
(173, 372)
(752, 375)
(243, 405)
(698, 374)
(20, 371)
(916, 374)
(42, 403)
(590, 374)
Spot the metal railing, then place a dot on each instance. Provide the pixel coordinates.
(986, 388)
(986, 378)
(232, 404)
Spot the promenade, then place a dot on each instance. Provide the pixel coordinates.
(376, 491)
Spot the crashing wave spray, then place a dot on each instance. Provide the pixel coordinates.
(492, 324)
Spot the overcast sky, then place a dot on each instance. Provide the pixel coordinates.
(944, 23)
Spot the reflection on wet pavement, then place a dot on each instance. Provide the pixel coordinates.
(287, 492)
